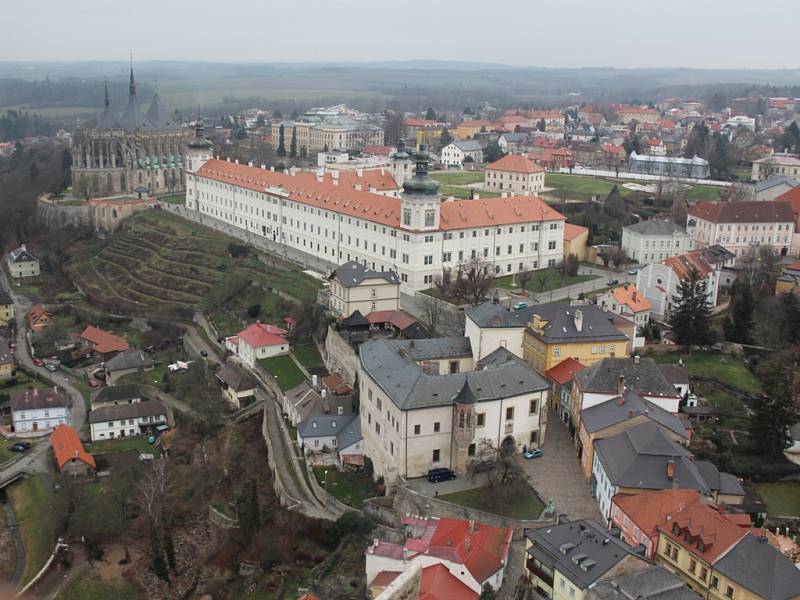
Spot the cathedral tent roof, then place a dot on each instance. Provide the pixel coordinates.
(159, 116)
(107, 119)
(132, 118)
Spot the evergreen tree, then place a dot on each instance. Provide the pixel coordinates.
(699, 142)
(281, 151)
(493, 152)
(769, 425)
(445, 138)
(66, 159)
(790, 317)
(791, 138)
(249, 511)
(355, 396)
(33, 171)
(487, 593)
(719, 157)
(430, 115)
(293, 144)
(691, 315)
(738, 326)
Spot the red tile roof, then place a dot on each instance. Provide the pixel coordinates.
(572, 231)
(67, 446)
(104, 341)
(704, 522)
(464, 214)
(384, 578)
(650, 510)
(376, 149)
(38, 313)
(259, 335)
(793, 198)
(380, 179)
(630, 296)
(438, 583)
(564, 371)
(683, 264)
(483, 552)
(515, 163)
(398, 318)
(476, 123)
(745, 211)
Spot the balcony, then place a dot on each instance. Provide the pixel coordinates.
(539, 573)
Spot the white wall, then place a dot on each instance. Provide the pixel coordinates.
(124, 427)
(486, 340)
(44, 419)
(604, 490)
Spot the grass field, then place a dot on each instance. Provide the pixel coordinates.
(39, 513)
(543, 280)
(463, 192)
(347, 486)
(515, 500)
(284, 370)
(88, 586)
(232, 317)
(5, 453)
(309, 356)
(782, 498)
(718, 367)
(175, 199)
(96, 512)
(458, 177)
(703, 192)
(583, 187)
(138, 442)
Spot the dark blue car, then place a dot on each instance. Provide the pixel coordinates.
(441, 474)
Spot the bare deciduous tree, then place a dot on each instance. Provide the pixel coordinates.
(432, 308)
(499, 466)
(152, 490)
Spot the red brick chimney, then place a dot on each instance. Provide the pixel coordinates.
(621, 387)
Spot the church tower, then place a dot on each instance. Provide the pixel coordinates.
(401, 163)
(419, 203)
(198, 151)
(463, 425)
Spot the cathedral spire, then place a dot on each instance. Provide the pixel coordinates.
(133, 83)
(107, 99)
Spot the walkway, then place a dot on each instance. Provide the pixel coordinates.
(13, 527)
(558, 474)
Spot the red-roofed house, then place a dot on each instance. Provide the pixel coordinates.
(659, 281)
(560, 379)
(474, 553)
(793, 198)
(627, 301)
(39, 319)
(575, 239)
(259, 340)
(515, 174)
(104, 343)
(68, 450)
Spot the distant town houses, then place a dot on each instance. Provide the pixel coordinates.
(332, 128)
(22, 263)
(779, 163)
(258, 341)
(654, 240)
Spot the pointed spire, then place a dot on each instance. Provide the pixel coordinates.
(133, 83)
(107, 99)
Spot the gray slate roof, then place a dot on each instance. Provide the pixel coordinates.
(434, 348)
(675, 374)
(611, 412)
(653, 583)
(656, 227)
(236, 378)
(717, 254)
(118, 393)
(645, 378)
(761, 568)
(5, 299)
(350, 434)
(324, 425)
(560, 546)
(498, 358)
(774, 180)
(409, 387)
(308, 402)
(467, 145)
(725, 483)
(597, 324)
(351, 274)
(21, 254)
(38, 398)
(134, 410)
(129, 359)
(495, 315)
(159, 116)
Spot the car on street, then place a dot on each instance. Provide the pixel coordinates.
(612, 282)
(520, 305)
(441, 474)
(20, 447)
(38, 362)
(51, 367)
(533, 453)
(633, 272)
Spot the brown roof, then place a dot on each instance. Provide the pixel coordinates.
(746, 211)
(104, 341)
(458, 214)
(39, 398)
(572, 231)
(67, 446)
(235, 378)
(683, 264)
(652, 509)
(129, 410)
(515, 163)
(705, 523)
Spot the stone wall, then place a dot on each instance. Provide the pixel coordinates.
(277, 485)
(221, 520)
(58, 216)
(339, 356)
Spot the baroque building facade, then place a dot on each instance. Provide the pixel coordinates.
(132, 152)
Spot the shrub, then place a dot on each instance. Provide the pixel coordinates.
(253, 311)
(349, 524)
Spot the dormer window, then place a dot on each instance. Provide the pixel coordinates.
(675, 528)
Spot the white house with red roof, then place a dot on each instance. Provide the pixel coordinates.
(628, 301)
(474, 553)
(257, 341)
(515, 174)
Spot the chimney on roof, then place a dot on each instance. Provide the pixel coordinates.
(24, 248)
(359, 172)
(228, 159)
(236, 161)
(671, 470)
(631, 413)
(357, 187)
(263, 166)
(474, 195)
(471, 524)
(320, 174)
(504, 194)
(272, 169)
(579, 319)
(249, 163)
(621, 388)
(323, 393)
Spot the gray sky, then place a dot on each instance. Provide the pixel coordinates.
(553, 33)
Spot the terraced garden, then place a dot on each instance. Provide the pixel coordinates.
(160, 260)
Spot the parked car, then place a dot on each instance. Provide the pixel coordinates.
(441, 474)
(633, 272)
(51, 367)
(520, 305)
(20, 447)
(611, 282)
(38, 362)
(533, 453)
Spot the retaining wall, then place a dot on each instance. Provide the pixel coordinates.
(339, 356)
(277, 485)
(221, 520)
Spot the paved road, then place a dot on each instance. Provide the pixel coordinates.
(558, 474)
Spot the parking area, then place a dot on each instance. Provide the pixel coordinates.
(558, 474)
(461, 483)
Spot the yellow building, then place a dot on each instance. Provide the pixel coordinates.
(467, 129)
(583, 332)
(6, 309)
(430, 136)
(575, 238)
(6, 360)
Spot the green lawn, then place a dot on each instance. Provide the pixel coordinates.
(284, 370)
(703, 192)
(463, 192)
(348, 487)
(782, 497)
(309, 356)
(96, 512)
(174, 199)
(719, 367)
(515, 500)
(23, 382)
(138, 442)
(5, 453)
(458, 177)
(580, 187)
(543, 280)
(88, 586)
(40, 514)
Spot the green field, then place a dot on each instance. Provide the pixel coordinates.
(514, 500)
(723, 368)
(88, 586)
(346, 486)
(543, 280)
(583, 187)
(232, 317)
(284, 371)
(458, 177)
(137, 442)
(782, 498)
(703, 192)
(174, 199)
(309, 356)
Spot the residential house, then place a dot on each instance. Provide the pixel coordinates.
(399, 322)
(355, 287)
(669, 166)
(7, 361)
(678, 375)
(6, 309)
(350, 445)
(640, 114)
(427, 404)
(583, 331)
(644, 459)
(238, 387)
(561, 379)
(474, 553)
(654, 240)
(112, 395)
(68, 451)
(127, 420)
(458, 152)
(779, 163)
(515, 174)
(652, 583)
(564, 561)
(789, 280)
(627, 301)
(125, 363)
(773, 187)
(39, 318)
(492, 325)
(660, 281)
(792, 197)
(22, 263)
(638, 516)
(575, 240)
(104, 343)
(308, 400)
(39, 409)
(257, 341)
(612, 417)
(319, 433)
(468, 128)
(512, 142)
(435, 582)
(743, 227)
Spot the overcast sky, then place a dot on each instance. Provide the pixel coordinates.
(553, 33)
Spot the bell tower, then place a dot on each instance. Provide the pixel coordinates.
(420, 201)
(463, 425)
(198, 151)
(401, 163)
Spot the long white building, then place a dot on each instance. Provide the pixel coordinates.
(417, 235)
